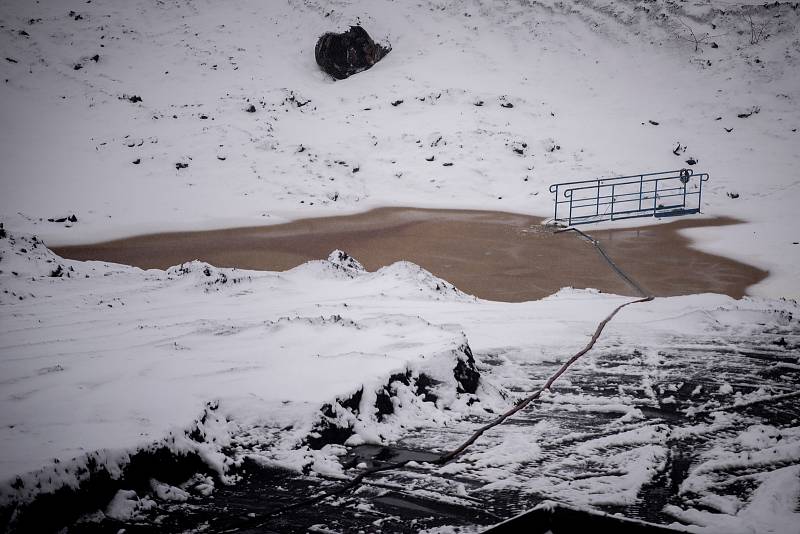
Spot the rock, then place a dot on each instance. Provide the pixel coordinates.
(250, 109)
(691, 161)
(72, 218)
(343, 54)
(733, 195)
(753, 111)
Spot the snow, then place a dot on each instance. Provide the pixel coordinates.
(112, 357)
(101, 361)
(106, 360)
(772, 507)
(126, 505)
(583, 76)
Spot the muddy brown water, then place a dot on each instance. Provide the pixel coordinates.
(493, 255)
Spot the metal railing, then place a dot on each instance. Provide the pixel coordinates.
(656, 194)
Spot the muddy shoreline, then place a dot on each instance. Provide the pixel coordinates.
(493, 255)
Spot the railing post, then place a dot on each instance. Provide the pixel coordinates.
(641, 181)
(700, 193)
(612, 201)
(655, 198)
(684, 195)
(569, 223)
(597, 204)
(555, 213)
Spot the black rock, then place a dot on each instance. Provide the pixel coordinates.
(397, 103)
(691, 161)
(72, 218)
(343, 54)
(752, 111)
(180, 166)
(733, 195)
(507, 105)
(250, 109)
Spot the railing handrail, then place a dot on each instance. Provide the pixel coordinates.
(703, 177)
(677, 171)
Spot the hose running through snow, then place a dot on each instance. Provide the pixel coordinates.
(262, 519)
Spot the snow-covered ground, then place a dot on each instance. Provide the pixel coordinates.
(100, 362)
(584, 78)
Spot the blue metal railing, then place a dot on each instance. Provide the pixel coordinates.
(655, 194)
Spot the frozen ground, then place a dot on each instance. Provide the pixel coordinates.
(584, 78)
(127, 391)
(102, 364)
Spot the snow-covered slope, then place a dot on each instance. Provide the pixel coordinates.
(571, 85)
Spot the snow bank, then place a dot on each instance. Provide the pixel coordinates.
(101, 363)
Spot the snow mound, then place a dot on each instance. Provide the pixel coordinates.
(206, 275)
(27, 256)
(345, 261)
(104, 377)
(401, 277)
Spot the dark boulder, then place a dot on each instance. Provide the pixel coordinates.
(344, 54)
